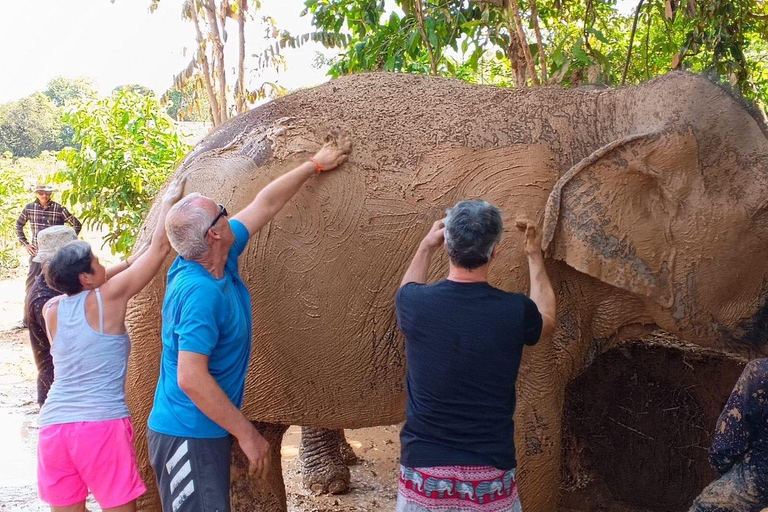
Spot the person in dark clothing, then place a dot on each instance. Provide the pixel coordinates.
(739, 451)
(49, 240)
(40, 214)
(463, 341)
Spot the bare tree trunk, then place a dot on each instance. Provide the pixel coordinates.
(240, 100)
(542, 56)
(218, 52)
(516, 60)
(515, 11)
(215, 112)
(425, 37)
(631, 41)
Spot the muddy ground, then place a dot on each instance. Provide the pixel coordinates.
(637, 427)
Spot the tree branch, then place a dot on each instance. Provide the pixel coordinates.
(424, 37)
(215, 112)
(515, 12)
(240, 100)
(631, 41)
(542, 56)
(218, 46)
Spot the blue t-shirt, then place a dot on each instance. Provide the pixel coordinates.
(463, 344)
(208, 316)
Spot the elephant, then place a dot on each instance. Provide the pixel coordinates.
(653, 205)
(440, 485)
(507, 479)
(465, 489)
(489, 489)
(410, 475)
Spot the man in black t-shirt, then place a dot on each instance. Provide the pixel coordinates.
(464, 341)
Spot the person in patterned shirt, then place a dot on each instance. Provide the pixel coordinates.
(739, 451)
(40, 213)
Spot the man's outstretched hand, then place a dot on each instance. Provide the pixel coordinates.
(532, 236)
(334, 152)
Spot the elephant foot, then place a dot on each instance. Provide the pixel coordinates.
(323, 467)
(251, 494)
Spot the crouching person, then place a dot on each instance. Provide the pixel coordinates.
(86, 437)
(464, 340)
(739, 451)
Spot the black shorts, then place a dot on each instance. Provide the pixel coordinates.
(192, 474)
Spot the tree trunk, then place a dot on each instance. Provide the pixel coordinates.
(215, 112)
(542, 56)
(240, 99)
(512, 6)
(631, 42)
(425, 37)
(218, 52)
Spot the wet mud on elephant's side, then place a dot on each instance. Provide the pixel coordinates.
(638, 423)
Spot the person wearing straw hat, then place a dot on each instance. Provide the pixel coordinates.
(49, 240)
(41, 213)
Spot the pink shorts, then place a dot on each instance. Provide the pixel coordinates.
(97, 455)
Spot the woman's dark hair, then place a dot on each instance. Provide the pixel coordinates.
(64, 269)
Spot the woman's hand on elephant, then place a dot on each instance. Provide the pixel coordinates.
(334, 152)
(436, 235)
(175, 190)
(256, 449)
(532, 237)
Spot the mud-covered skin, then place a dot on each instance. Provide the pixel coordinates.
(656, 216)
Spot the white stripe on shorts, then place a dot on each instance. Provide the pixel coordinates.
(180, 452)
(183, 495)
(180, 475)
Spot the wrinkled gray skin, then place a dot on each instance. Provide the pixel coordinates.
(654, 201)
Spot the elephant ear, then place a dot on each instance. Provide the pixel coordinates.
(613, 214)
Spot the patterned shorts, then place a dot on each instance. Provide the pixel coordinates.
(457, 489)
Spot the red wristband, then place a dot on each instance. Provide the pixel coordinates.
(320, 168)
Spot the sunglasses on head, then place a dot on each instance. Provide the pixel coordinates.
(222, 213)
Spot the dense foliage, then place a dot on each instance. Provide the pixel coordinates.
(128, 146)
(567, 42)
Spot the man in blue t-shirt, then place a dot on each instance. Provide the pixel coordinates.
(207, 343)
(463, 342)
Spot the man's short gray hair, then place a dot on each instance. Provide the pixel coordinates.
(187, 225)
(472, 230)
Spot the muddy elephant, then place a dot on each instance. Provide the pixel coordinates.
(654, 201)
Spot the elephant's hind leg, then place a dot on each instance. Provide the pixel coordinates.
(324, 469)
(251, 494)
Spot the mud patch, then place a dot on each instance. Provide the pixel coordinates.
(638, 424)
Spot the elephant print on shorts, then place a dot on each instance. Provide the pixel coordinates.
(440, 485)
(507, 480)
(465, 489)
(409, 475)
(489, 488)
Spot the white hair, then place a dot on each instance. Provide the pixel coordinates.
(187, 225)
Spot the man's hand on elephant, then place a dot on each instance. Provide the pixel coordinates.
(333, 153)
(256, 449)
(175, 190)
(532, 237)
(436, 235)
(31, 250)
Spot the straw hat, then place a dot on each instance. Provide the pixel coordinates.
(50, 240)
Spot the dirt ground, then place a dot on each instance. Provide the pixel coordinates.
(637, 426)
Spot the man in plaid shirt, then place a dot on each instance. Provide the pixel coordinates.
(41, 213)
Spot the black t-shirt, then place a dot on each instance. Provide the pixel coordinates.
(463, 344)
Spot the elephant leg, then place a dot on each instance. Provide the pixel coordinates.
(323, 467)
(251, 494)
(538, 430)
(347, 453)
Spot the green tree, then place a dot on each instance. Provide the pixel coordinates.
(533, 42)
(63, 91)
(137, 88)
(128, 147)
(12, 197)
(30, 125)
(189, 103)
